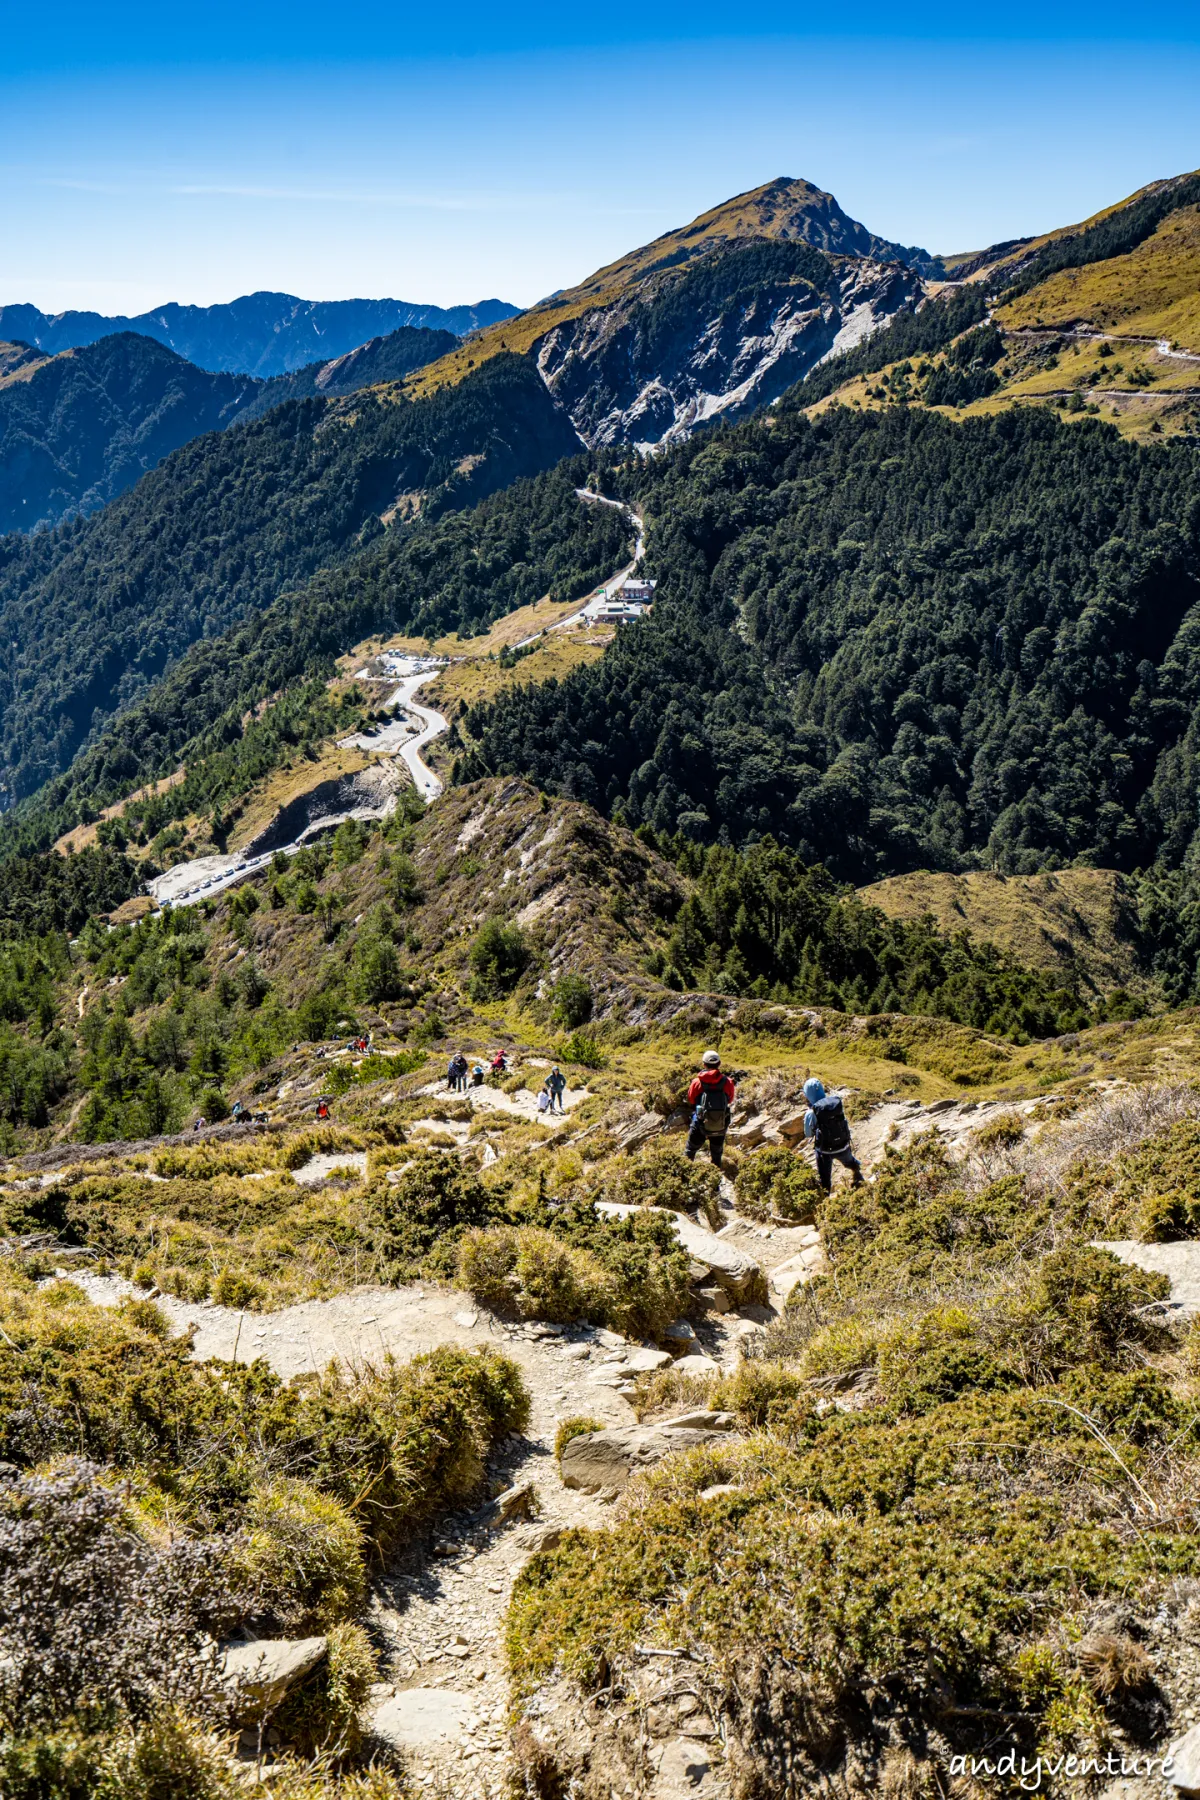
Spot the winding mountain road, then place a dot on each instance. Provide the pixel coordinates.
(205, 877)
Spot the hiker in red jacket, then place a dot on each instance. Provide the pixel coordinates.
(711, 1097)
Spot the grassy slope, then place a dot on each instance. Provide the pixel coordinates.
(1137, 389)
(1152, 292)
(1073, 922)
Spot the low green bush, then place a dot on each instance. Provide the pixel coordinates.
(777, 1182)
(661, 1175)
(301, 1555)
(419, 1218)
(860, 1551)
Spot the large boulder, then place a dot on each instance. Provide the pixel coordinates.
(262, 1671)
(602, 1461)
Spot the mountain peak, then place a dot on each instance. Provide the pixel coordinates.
(786, 207)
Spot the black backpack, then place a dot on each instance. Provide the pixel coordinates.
(831, 1130)
(712, 1108)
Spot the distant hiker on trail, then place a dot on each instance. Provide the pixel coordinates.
(826, 1124)
(543, 1102)
(456, 1074)
(499, 1063)
(556, 1087)
(322, 1109)
(711, 1097)
(477, 1074)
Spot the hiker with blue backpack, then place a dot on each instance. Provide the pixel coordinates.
(711, 1097)
(826, 1124)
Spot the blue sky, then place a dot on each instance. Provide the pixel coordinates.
(150, 153)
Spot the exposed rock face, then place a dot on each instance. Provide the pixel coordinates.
(657, 363)
(602, 1461)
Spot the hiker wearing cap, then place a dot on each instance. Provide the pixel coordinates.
(826, 1124)
(710, 1096)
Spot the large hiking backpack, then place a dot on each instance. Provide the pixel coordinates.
(831, 1132)
(712, 1108)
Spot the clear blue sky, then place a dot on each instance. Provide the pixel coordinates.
(159, 152)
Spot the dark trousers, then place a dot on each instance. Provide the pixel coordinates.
(826, 1160)
(698, 1137)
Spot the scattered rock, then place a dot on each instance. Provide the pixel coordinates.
(541, 1537)
(1182, 1764)
(720, 1488)
(687, 1770)
(514, 1501)
(715, 1299)
(700, 1421)
(418, 1717)
(679, 1335)
(644, 1362)
(599, 1460)
(610, 1340)
(697, 1365)
(466, 1319)
(265, 1669)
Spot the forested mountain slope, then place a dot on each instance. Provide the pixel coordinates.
(382, 359)
(259, 334)
(897, 642)
(97, 611)
(77, 429)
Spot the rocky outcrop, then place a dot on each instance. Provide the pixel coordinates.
(367, 794)
(655, 365)
(602, 1461)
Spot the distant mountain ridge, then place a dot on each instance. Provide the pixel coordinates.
(258, 334)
